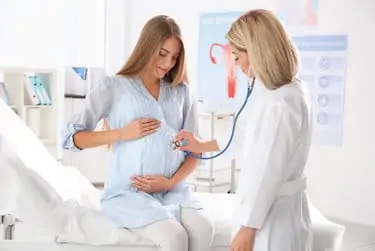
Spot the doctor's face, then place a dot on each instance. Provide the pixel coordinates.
(168, 56)
(242, 60)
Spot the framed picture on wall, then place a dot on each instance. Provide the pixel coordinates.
(81, 72)
(79, 81)
(76, 82)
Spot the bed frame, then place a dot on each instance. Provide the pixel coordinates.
(43, 170)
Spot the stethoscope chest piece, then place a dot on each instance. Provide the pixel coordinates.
(248, 94)
(177, 144)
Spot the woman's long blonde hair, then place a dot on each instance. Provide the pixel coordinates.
(271, 52)
(154, 33)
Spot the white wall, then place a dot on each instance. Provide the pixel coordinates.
(94, 163)
(341, 179)
(44, 33)
(117, 40)
(58, 33)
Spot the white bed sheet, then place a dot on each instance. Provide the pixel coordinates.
(27, 237)
(61, 200)
(49, 246)
(57, 197)
(327, 234)
(220, 214)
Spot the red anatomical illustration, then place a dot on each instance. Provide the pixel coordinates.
(229, 65)
(310, 12)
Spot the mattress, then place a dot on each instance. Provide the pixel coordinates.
(45, 186)
(327, 234)
(28, 237)
(50, 246)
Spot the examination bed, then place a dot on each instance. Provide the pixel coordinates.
(58, 208)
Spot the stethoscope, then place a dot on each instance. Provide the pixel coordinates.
(248, 94)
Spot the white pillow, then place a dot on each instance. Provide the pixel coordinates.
(47, 193)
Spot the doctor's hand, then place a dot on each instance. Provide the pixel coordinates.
(193, 144)
(138, 128)
(152, 183)
(244, 240)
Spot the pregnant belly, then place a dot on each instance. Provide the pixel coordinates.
(158, 157)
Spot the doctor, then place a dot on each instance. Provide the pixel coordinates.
(272, 140)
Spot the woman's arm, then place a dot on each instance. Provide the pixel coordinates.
(157, 183)
(78, 133)
(191, 163)
(188, 166)
(86, 139)
(135, 129)
(190, 125)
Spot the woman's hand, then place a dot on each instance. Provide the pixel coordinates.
(192, 143)
(139, 128)
(152, 183)
(244, 240)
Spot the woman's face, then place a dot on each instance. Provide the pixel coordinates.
(167, 57)
(242, 60)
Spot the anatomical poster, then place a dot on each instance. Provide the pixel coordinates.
(298, 12)
(323, 68)
(220, 83)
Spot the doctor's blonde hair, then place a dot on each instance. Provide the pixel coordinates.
(153, 34)
(271, 52)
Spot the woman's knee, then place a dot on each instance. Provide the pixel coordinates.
(199, 225)
(176, 238)
(169, 235)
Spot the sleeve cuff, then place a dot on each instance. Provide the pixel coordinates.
(248, 219)
(222, 143)
(68, 141)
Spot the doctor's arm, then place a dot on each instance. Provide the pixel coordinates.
(190, 125)
(194, 145)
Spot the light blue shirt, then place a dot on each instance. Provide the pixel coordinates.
(121, 100)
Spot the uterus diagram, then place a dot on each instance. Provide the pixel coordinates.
(231, 75)
(298, 12)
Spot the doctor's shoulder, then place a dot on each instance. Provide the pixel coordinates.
(289, 97)
(291, 91)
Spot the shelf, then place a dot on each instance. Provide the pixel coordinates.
(38, 106)
(17, 70)
(33, 95)
(207, 183)
(215, 170)
(74, 96)
(208, 115)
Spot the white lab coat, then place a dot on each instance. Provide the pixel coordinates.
(272, 153)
